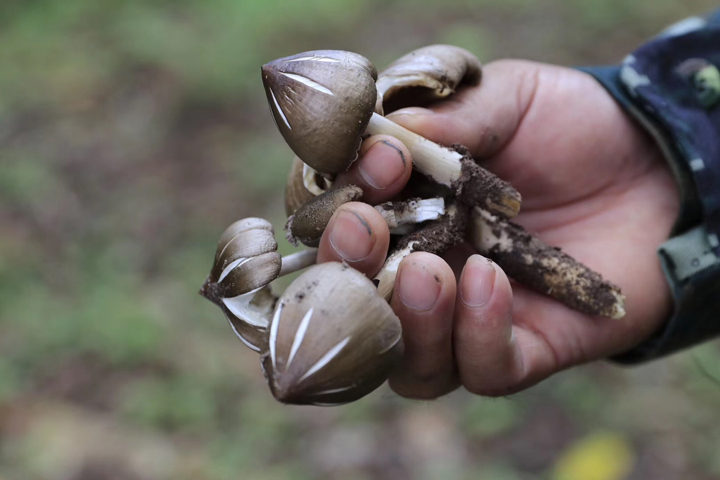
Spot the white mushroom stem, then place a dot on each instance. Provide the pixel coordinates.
(412, 211)
(385, 279)
(435, 237)
(310, 180)
(439, 163)
(297, 261)
(476, 185)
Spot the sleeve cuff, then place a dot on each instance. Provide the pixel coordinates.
(683, 126)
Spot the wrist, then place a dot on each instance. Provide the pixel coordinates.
(658, 86)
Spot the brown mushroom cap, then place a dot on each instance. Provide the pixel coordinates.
(243, 239)
(246, 261)
(308, 222)
(332, 340)
(426, 75)
(322, 102)
(296, 192)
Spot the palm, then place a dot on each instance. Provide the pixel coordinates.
(595, 185)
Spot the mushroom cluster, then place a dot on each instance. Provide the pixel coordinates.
(332, 337)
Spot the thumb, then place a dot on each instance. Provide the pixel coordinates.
(483, 118)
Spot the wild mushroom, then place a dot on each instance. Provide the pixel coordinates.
(332, 340)
(246, 261)
(426, 75)
(309, 221)
(323, 103)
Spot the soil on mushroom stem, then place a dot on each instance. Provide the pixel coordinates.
(440, 235)
(476, 188)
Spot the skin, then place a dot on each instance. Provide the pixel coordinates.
(593, 183)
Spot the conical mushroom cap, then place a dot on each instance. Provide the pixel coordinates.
(246, 261)
(332, 340)
(246, 258)
(427, 74)
(322, 102)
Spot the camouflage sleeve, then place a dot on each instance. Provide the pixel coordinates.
(671, 85)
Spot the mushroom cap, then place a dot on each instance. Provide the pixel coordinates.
(332, 340)
(246, 258)
(297, 193)
(322, 102)
(427, 74)
(308, 222)
(246, 261)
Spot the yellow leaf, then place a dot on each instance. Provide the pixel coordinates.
(600, 456)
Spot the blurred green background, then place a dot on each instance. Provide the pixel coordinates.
(133, 132)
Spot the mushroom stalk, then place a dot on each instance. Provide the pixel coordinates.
(439, 163)
(435, 238)
(450, 168)
(297, 261)
(543, 268)
(411, 212)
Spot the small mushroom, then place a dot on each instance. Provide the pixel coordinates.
(332, 340)
(246, 261)
(323, 103)
(308, 222)
(426, 75)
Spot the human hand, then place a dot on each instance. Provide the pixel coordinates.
(593, 183)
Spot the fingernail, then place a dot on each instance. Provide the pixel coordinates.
(418, 286)
(351, 236)
(385, 168)
(478, 281)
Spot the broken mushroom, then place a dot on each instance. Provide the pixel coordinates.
(434, 237)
